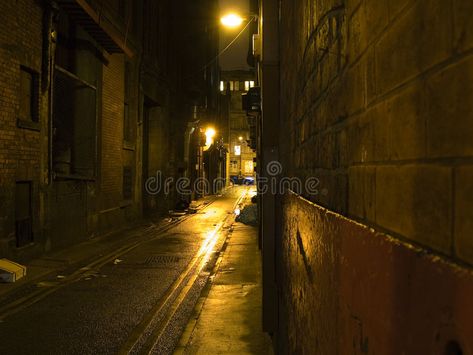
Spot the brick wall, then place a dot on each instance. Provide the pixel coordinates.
(24, 151)
(112, 132)
(96, 205)
(20, 45)
(377, 97)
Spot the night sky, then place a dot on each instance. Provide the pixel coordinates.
(235, 57)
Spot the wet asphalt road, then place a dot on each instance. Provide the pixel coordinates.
(105, 310)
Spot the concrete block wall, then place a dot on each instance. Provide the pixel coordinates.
(20, 160)
(377, 103)
(377, 99)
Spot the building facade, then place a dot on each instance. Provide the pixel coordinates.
(96, 97)
(233, 85)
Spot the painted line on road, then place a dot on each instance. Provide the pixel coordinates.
(149, 330)
(155, 337)
(36, 296)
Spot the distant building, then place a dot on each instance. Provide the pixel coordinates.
(241, 157)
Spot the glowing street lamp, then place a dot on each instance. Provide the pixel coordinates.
(209, 135)
(231, 20)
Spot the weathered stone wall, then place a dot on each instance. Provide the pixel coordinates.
(376, 102)
(351, 290)
(378, 99)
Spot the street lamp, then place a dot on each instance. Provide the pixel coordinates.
(231, 20)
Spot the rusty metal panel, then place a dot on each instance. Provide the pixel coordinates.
(347, 289)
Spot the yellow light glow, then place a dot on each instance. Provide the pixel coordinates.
(209, 135)
(237, 150)
(231, 20)
(240, 138)
(210, 132)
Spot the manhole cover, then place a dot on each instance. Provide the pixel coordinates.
(161, 259)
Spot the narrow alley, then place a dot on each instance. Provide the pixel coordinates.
(236, 177)
(130, 298)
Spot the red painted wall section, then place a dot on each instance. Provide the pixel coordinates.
(346, 289)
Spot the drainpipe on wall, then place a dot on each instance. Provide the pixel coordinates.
(191, 127)
(51, 10)
(269, 155)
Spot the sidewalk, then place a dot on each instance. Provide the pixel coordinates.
(227, 318)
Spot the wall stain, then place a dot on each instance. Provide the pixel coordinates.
(304, 256)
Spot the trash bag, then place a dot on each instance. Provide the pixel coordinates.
(249, 215)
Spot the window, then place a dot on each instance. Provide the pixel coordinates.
(237, 150)
(247, 85)
(237, 86)
(28, 95)
(127, 125)
(252, 84)
(222, 86)
(231, 86)
(249, 167)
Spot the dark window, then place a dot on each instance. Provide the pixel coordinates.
(28, 95)
(23, 218)
(127, 183)
(127, 125)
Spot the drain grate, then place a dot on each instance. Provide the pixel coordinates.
(162, 260)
